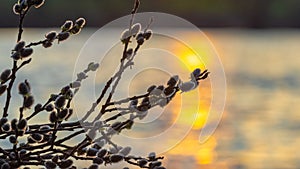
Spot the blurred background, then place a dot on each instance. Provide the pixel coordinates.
(204, 13)
(258, 44)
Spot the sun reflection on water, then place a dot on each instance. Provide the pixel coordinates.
(195, 116)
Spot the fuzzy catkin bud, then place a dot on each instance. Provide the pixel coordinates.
(60, 102)
(63, 36)
(24, 5)
(129, 53)
(3, 120)
(142, 162)
(81, 151)
(26, 52)
(94, 166)
(37, 137)
(12, 139)
(16, 56)
(80, 22)
(51, 35)
(125, 36)
(148, 34)
(12, 154)
(151, 88)
(146, 101)
(81, 76)
(19, 46)
(28, 102)
(22, 125)
(23, 152)
(173, 81)
(93, 66)
(69, 94)
(113, 150)
(53, 117)
(14, 124)
(125, 151)
(152, 155)
(17, 9)
(45, 128)
(49, 107)
(91, 152)
(5, 75)
(133, 103)
(67, 26)
(6, 127)
(75, 30)
(114, 158)
(53, 97)
(62, 114)
(154, 164)
(140, 39)
(101, 153)
(55, 158)
(161, 87)
(169, 91)
(21, 132)
(98, 161)
(38, 3)
(24, 89)
(38, 107)
(75, 84)
(5, 165)
(65, 89)
(196, 73)
(47, 44)
(2, 89)
(135, 29)
(50, 164)
(96, 146)
(188, 86)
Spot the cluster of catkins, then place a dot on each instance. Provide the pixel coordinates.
(139, 35)
(21, 51)
(67, 29)
(103, 156)
(19, 126)
(161, 95)
(60, 103)
(23, 5)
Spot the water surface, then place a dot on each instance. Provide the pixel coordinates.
(259, 128)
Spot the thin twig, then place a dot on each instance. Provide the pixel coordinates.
(15, 67)
(8, 95)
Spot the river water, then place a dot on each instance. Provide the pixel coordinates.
(259, 126)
